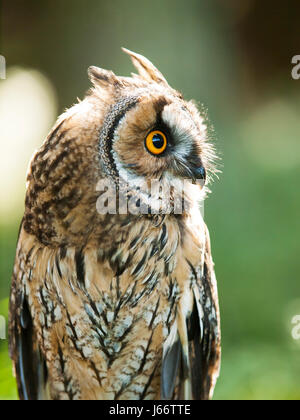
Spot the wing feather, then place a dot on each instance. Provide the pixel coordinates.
(30, 368)
(204, 330)
(192, 354)
(170, 368)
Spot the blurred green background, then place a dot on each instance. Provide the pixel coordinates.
(234, 57)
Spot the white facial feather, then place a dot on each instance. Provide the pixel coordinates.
(182, 127)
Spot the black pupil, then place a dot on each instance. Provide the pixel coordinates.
(158, 141)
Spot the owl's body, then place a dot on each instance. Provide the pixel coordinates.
(122, 305)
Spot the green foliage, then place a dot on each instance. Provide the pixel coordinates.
(7, 382)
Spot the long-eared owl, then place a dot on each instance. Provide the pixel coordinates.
(113, 291)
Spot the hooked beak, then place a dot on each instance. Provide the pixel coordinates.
(199, 175)
(187, 170)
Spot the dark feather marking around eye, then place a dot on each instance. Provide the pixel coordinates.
(115, 114)
(161, 126)
(160, 103)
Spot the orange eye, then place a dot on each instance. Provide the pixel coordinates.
(156, 142)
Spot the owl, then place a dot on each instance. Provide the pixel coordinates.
(113, 291)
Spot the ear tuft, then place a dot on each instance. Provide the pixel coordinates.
(101, 77)
(145, 68)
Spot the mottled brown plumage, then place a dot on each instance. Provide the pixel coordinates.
(116, 306)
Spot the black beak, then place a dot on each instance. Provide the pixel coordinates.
(199, 173)
(191, 170)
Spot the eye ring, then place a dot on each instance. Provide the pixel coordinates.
(156, 142)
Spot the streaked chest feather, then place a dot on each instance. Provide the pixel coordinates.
(106, 313)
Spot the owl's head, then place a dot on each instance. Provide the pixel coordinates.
(134, 129)
(149, 130)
